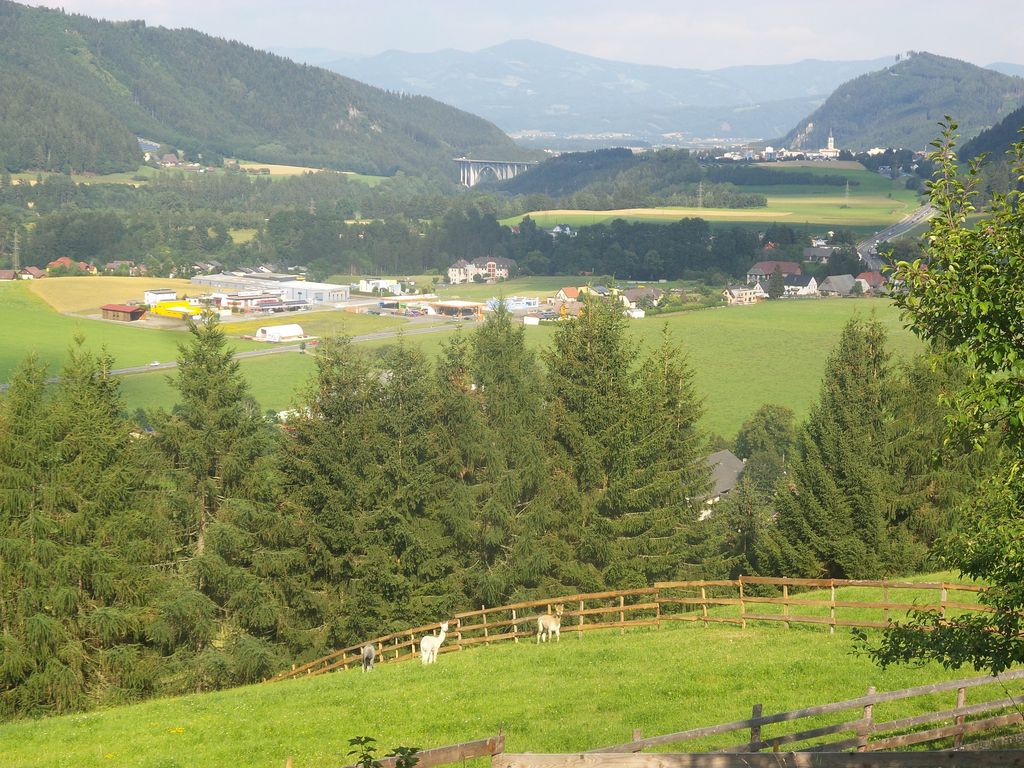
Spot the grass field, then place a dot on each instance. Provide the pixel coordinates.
(576, 695)
(320, 323)
(31, 325)
(742, 357)
(85, 295)
(875, 201)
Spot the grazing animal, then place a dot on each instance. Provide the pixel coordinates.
(430, 643)
(548, 624)
(369, 654)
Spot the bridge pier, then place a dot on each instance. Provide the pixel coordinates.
(470, 171)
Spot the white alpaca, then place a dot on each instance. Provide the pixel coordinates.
(548, 624)
(369, 653)
(429, 645)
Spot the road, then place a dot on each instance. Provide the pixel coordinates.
(275, 350)
(283, 348)
(866, 248)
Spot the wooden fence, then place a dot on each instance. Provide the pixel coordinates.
(943, 759)
(866, 732)
(733, 601)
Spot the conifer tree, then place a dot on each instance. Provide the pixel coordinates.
(831, 505)
(241, 555)
(520, 536)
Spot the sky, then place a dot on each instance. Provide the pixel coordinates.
(676, 33)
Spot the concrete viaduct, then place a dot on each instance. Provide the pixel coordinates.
(470, 171)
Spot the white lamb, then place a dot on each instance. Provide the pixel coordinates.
(548, 624)
(430, 643)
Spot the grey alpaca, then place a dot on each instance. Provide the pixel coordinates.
(369, 654)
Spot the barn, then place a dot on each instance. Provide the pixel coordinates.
(123, 312)
(278, 333)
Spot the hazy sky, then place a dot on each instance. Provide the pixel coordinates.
(679, 33)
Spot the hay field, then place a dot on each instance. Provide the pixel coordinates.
(85, 295)
(278, 170)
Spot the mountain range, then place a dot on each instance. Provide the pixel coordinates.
(533, 89)
(76, 92)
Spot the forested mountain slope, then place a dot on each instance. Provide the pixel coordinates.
(900, 106)
(997, 139)
(76, 91)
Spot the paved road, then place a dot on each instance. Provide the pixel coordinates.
(275, 350)
(278, 349)
(866, 248)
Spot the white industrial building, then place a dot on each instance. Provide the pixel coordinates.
(154, 296)
(279, 333)
(289, 290)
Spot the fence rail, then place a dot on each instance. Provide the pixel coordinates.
(868, 733)
(733, 601)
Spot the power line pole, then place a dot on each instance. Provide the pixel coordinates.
(700, 194)
(16, 256)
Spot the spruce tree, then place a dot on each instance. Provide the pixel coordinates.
(241, 556)
(831, 505)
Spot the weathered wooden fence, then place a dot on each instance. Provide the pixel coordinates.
(733, 601)
(942, 759)
(866, 733)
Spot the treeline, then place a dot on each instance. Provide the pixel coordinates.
(616, 178)
(177, 222)
(750, 175)
(216, 547)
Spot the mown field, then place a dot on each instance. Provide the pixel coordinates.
(85, 295)
(874, 201)
(742, 357)
(574, 695)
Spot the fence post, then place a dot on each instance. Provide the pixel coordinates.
(785, 604)
(657, 609)
(944, 595)
(885, 599)
(961, 700)
(832, 607)
(704, 604)
(637, 735)
(622, 615)
(743, 609)
(755, 728)
(412, 645)
(288, 762)
(864, 732)
(483, 614)
(579, 632)
(515, 627)
(458, 632)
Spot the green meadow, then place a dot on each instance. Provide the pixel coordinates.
(742, 357)
(559, 697)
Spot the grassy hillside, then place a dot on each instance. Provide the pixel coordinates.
(574, 695)
(77, 91)
(901, 105)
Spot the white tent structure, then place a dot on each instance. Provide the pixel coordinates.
(278, 333)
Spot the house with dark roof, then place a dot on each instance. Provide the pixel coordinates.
(32, 273)
(800, 285)
(837, 285)
(634, 296)
(8, 274)
(761, 271)
(726, 469)
(818, 254)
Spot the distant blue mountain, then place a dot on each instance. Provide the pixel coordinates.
(524, 86)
